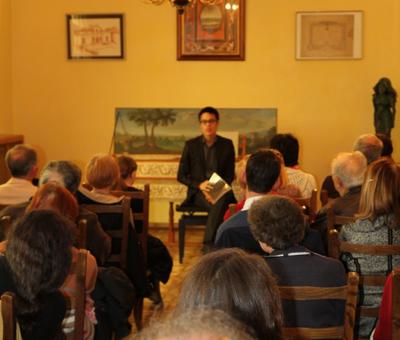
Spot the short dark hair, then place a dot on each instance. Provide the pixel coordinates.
(211, 110)
(127, 165)
(276, 221)
(262, 171)
(66, 173)
(288, 145)
(387, 145)
(238, 283)
(20, 159)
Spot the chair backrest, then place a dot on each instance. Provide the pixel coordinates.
(5, 225)
(324, 198)
(8, 316)
(396, 304)
(334, 221)
(119, 232)
(336, 247)
(141, 216)
(82, 233)
(79, 270)
(348, 293)
(2, 206)
(311, 204)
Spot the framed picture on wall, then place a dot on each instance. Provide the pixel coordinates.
(212, 30)
(95, 36)
(329, 35)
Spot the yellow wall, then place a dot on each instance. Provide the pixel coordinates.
(67, 107)
(5, 67)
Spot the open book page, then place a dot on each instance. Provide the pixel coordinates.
(220, 187)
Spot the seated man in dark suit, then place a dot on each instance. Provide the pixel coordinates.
(262, 176)
(348, 170)
(69, 175)
(277, 223)
(201, 157)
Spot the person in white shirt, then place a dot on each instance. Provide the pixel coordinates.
(288, 145)
(21, 160)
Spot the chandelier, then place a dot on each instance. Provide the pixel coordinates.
(182, 4)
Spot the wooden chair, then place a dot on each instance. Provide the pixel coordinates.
(121, 234)
(310, 203)
(324, 198)
(396, 304)
(118, 233)
(78, 302)
(5, 225)
(8, 316)
(82, 233)
(336, 247)
(347, 292)
(2, 206)
(335, 221)
(141, 216)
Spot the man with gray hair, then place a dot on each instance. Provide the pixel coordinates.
(348, 170)
(69, 175)
(370, 145)
(21, 161)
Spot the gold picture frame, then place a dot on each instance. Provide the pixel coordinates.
(212, 30)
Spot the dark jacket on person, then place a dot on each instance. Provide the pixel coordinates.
(192, 166)
(114, 297)
(297, 266)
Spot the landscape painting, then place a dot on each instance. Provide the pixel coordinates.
(163, 131)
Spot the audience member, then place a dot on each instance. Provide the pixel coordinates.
(240, 285)
(158, 257)
(277, 223)
(52, 196)
(377, 223)
(35, 265)
(201, 157)
(199, 324)
(21, 162)
(348, 171)
(69, 175)
(288, 146)
(102, 174)
(370, 146)
(262, 175)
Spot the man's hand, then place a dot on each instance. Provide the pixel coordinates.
(205, 186)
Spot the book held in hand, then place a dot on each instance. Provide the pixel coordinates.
(220, 187)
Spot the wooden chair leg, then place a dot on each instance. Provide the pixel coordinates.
(171, 231)
(181, 239)
(138, 313)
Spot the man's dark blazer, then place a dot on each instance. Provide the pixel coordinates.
(297, 266)
(192, 166)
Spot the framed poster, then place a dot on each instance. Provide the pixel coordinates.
(95, 36)
(329, 35)
(212, 30)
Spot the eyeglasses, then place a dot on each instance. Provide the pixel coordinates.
(209, 121)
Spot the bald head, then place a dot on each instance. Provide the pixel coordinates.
(21, 161)
(370, 145)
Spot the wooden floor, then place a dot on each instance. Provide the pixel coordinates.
(170, 291)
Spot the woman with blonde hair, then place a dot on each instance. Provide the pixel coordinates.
(377, 222)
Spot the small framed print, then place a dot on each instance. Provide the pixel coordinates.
(329, 35)
(95, 36)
